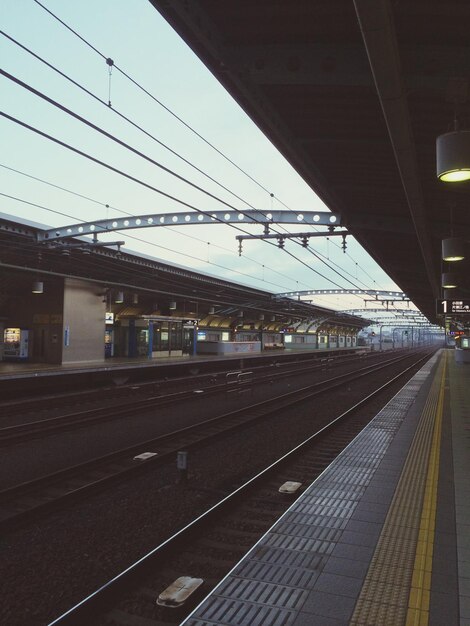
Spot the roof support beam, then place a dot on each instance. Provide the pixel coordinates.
(324, 64)
(376, 23)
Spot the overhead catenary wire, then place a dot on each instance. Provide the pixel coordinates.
(111, 64)
(127, 119)
(135, 151)
(161, 104)
(133, 237)
(123, 144)
(143, 183)
(139, 127)
(194, 258)
(182, 121)
(108, 206)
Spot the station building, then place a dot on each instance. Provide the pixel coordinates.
(77, 302)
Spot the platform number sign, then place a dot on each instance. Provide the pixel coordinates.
(455, 307)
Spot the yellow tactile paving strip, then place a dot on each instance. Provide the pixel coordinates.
(397, 586)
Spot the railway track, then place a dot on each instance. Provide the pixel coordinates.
(212, 543)
(155, 396)
(115, 395)
(28, 499)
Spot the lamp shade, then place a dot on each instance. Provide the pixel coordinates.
(119, 297)
(211, 310)
(172, 306)
(453, 156)
(38, 287)
(135, 298)
(449, 280)
(449, 294)
(453, 249)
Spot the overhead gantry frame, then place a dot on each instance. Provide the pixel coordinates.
(187, 218)
(399, 295)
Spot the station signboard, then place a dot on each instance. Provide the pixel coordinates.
(453, 307)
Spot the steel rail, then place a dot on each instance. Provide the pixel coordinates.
(121, 465)
(99, 600)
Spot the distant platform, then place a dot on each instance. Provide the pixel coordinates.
(26, 369)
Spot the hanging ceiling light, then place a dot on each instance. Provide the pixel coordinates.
(453, 249)
(119, 299)
(211, 310)
(453, 156)
(172, 306)
(449, 280)
(449, 294)
(135, 298)
(38, 287)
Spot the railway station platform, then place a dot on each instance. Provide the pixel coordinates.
(29, 378)
(17, 369)
(382, 537)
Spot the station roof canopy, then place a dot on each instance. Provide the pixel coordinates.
(354, 95)
(24, 259)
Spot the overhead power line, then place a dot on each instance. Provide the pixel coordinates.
(143, 183)
(189, 256)
(159, 102)
(143, 130)
(126, 118)
(128, 147)
(131, 236)
(318, 256)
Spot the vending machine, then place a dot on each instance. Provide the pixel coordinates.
(108, 343)
(109, 334)
(16, 344)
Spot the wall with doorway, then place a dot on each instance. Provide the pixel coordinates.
(84, 322)
(41, 315)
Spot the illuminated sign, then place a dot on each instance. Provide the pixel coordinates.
(456, 307)
(109, 318)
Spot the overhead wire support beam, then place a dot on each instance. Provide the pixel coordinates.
(187, 218)
(281, 237)
(293, 235)
(399, 295)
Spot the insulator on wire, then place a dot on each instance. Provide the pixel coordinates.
(109, 63)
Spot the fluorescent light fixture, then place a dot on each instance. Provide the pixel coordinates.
(453, 249)
(453, 156)
(449, 280)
